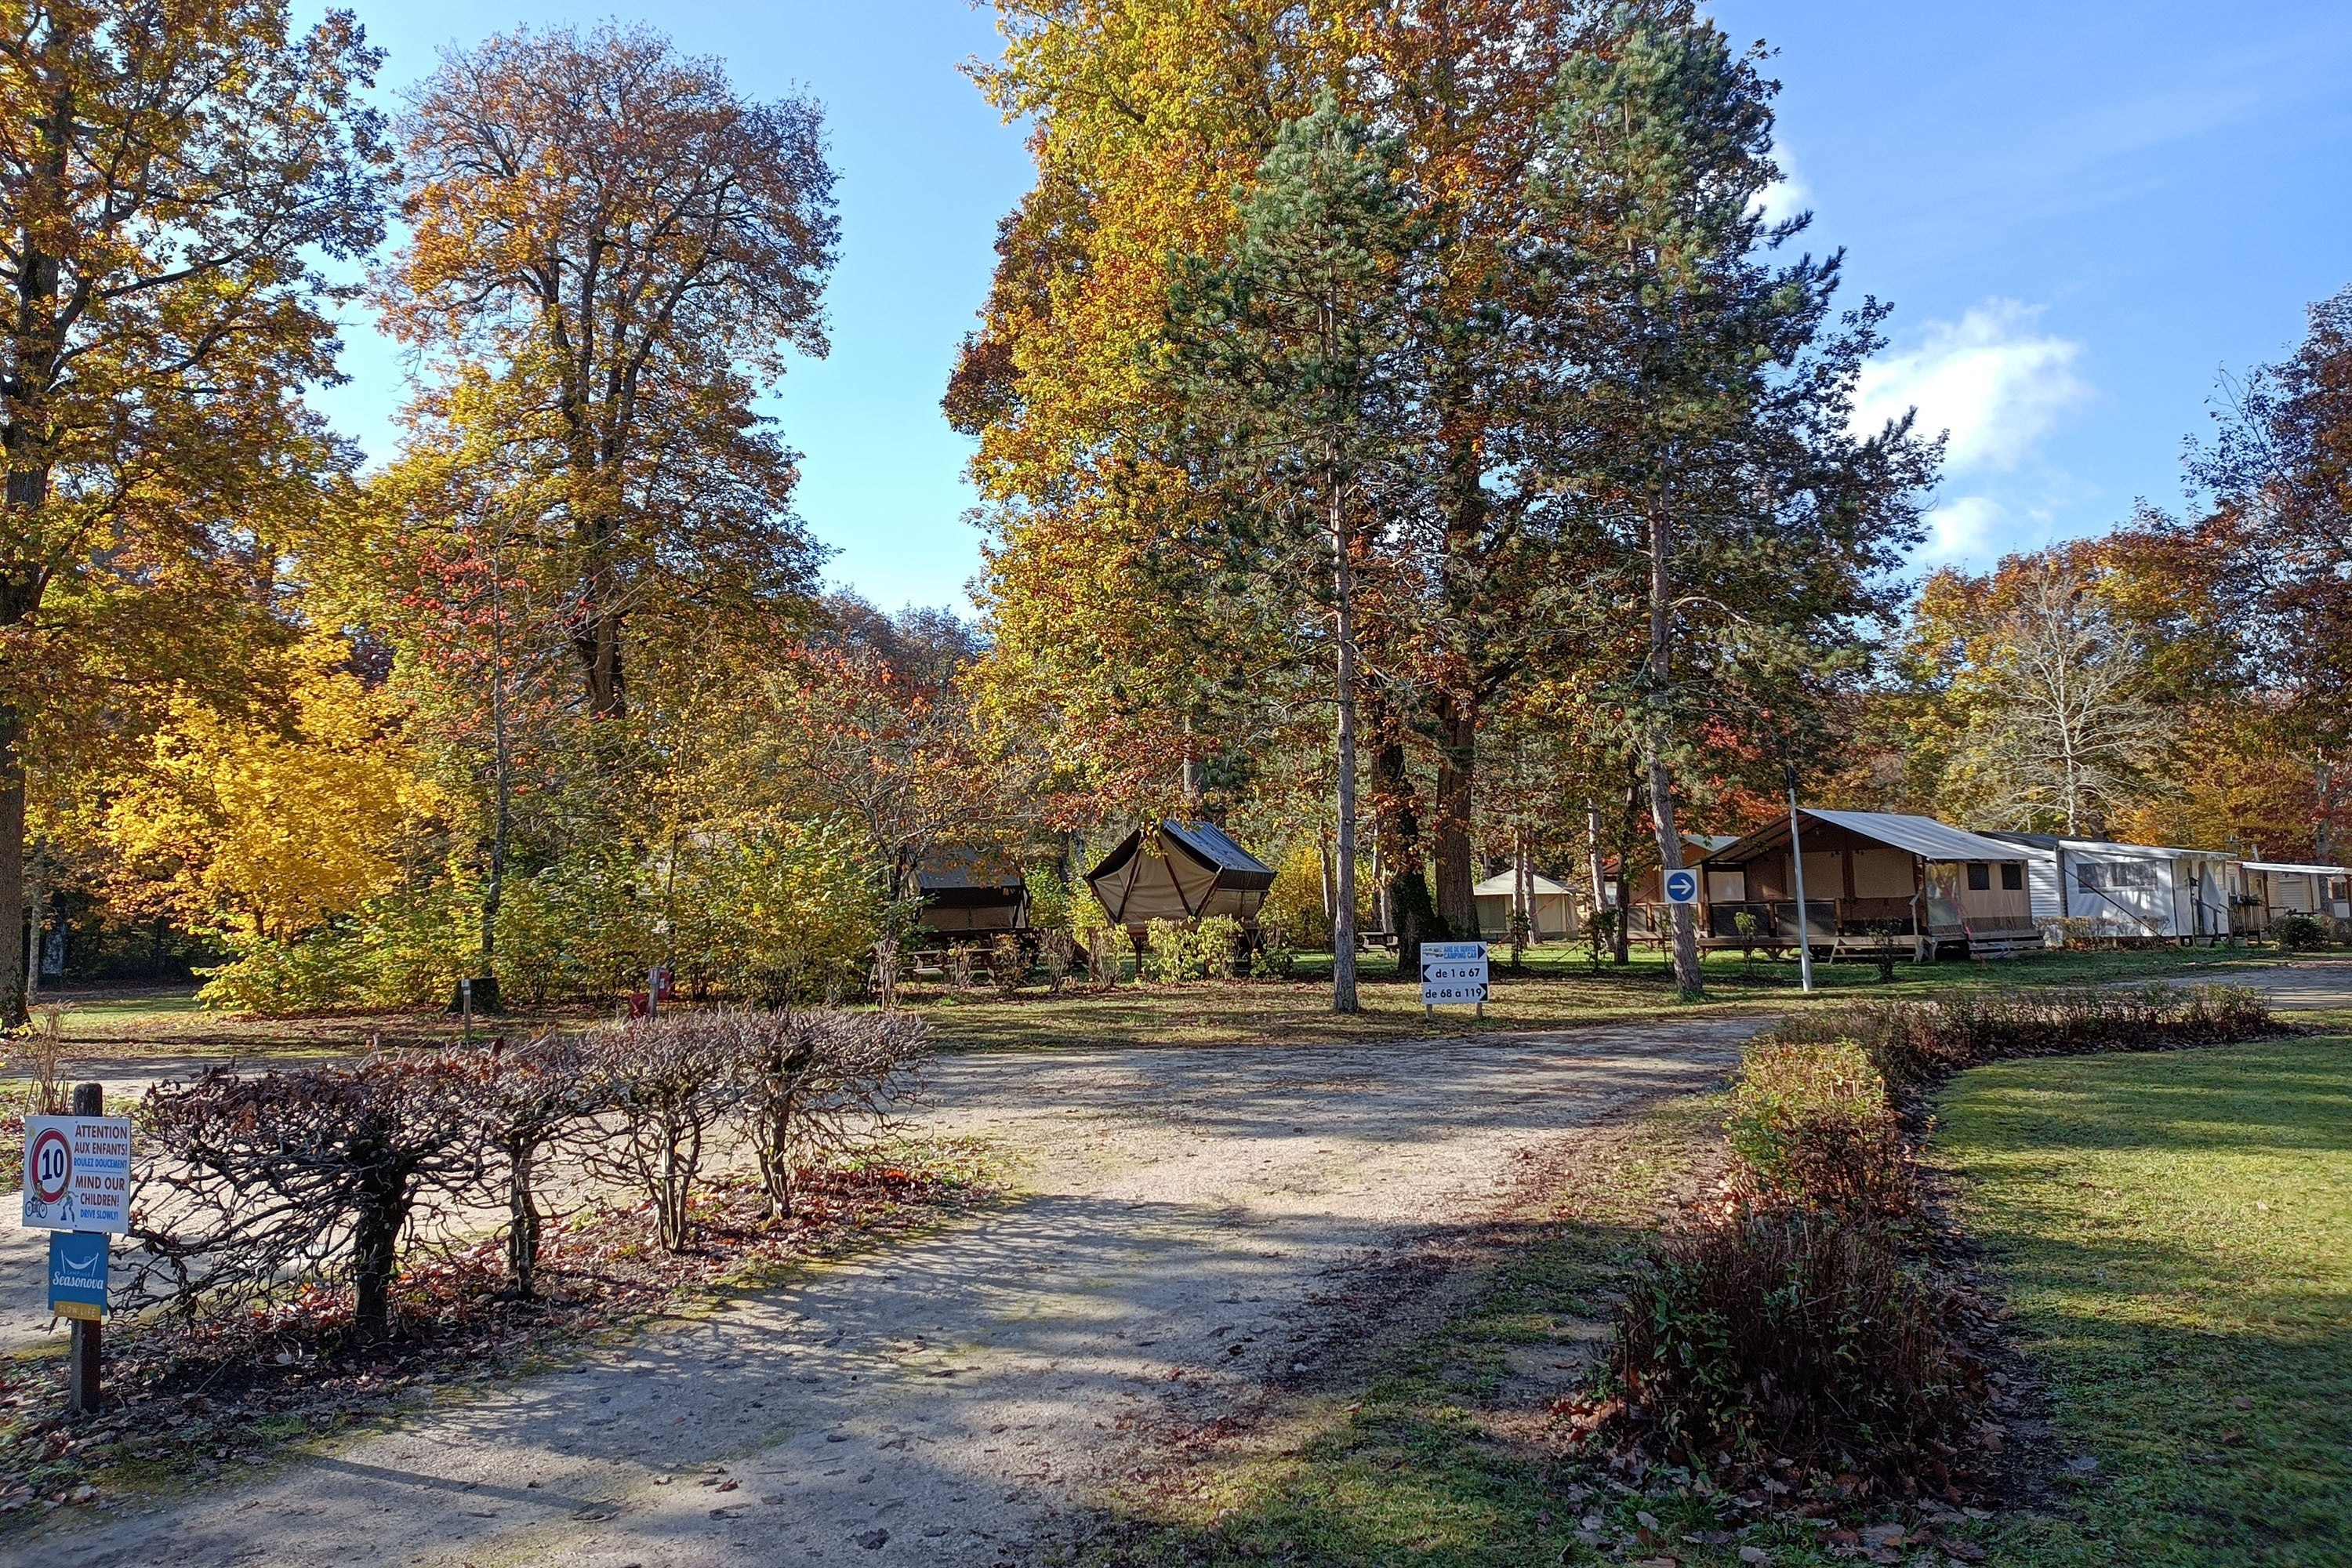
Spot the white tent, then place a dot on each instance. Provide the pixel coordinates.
(1553, 916)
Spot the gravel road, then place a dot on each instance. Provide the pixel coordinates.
(946, 1401)
(1183, 1216)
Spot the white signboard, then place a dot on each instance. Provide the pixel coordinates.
(78, 1172)
(1682, 887)
(1452, 972)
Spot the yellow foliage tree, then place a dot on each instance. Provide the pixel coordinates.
(266, 830)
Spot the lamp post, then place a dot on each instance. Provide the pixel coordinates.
(1797, 861)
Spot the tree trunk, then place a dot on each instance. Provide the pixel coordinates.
(1412, 915)
(1592, 854)
(376, 1254)
(1343, 904)
(1623, 953)
(1457, 766)
(523, 1220)
(13, 978)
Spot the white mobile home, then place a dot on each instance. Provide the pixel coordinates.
(2133, 892)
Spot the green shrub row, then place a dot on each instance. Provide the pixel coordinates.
(1798, 1325)
(1913, 1044)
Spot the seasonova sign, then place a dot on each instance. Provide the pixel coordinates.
(1452, 972)
(78, 1274)
(76, 1172)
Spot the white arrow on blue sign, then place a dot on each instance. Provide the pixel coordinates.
(1682, 887)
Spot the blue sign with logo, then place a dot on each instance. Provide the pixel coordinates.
(1682, 887)
(77, 1274)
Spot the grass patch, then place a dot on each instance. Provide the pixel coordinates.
(1448, 1457)
(1557, 989)
(2173, 1230)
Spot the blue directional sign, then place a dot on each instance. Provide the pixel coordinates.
(1682, 887)
(77, 1274)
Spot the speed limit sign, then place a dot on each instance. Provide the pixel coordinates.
(78, 1172)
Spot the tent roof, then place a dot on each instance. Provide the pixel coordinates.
(1922, 836)
(2290, 868)
(1213, 845)
(945, 868)
(1502, 886)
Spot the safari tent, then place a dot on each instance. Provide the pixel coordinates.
(1872, 880)
(2132, 891)
(1551, 917)
(1178, 871)
(967, 893)
(1653, 917)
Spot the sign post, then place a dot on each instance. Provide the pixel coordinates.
(1682, 887)
(1452, 973)
(77, 1187)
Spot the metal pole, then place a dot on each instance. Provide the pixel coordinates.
(1797, 861)
(82, 1392)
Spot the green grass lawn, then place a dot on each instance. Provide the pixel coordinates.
(2176, 1236)
(1558, 988)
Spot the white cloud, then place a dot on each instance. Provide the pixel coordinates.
(1990, 380)
(1786, 196)
(1961, 530)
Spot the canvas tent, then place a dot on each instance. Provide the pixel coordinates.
(1173, 870)
(1652, 918)
(1873, 879)
(2133, 891)
(1553, 915)
(2276, 888)
(968, 893)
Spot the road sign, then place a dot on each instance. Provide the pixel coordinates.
(1452, 973)
(1682, 887)
(77, 1274)
(76, 1172)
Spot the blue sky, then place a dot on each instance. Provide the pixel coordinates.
(2081, 212)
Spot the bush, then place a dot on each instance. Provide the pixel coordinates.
(1811, 1124)
(675, 1079)
(2299, 933)
(1913, 1044)
(1793, 1332)
(817, 1082)
(255, 1183)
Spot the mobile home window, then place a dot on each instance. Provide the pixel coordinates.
(2012, 876)
(1979, 877)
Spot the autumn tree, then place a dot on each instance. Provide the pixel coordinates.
(612, 254)
(1707, 390)
(174, 184)
(2054, 731)
(1290, 360)
(2280, 471)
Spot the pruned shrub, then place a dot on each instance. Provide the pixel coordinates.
(255, 1183)
(818, 1082)
(1812, 1123)
(1794, 1332)
(675, 1079)
(1917, 1043)
(530, 1097)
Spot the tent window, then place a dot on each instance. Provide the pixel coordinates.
(2012, 876)
(1979, 877)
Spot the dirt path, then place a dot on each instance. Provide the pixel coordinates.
(949, 1401)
